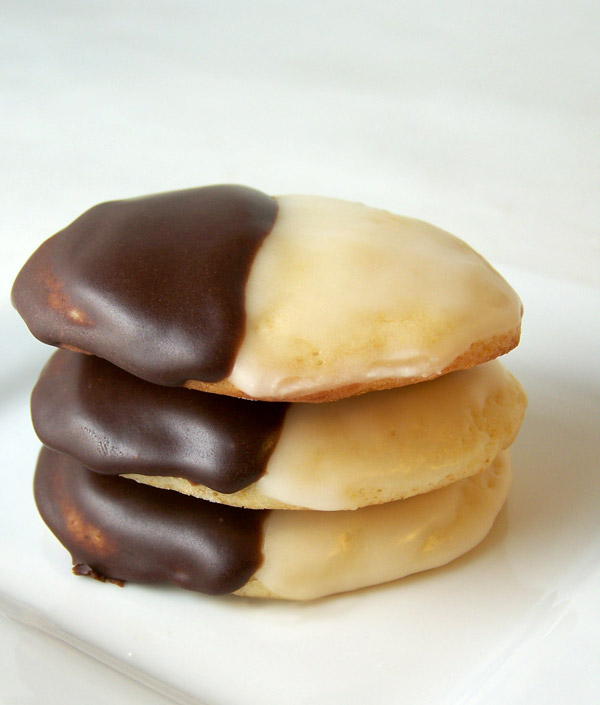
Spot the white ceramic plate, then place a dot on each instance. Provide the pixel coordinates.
(517, 620)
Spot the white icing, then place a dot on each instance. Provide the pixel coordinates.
(381, 446)
(312, 554)
(341, 293)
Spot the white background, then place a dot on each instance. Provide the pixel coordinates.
(479, 116)
(482, 117)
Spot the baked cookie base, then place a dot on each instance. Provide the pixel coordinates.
(478, 353)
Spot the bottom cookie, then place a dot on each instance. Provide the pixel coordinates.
(120, 530)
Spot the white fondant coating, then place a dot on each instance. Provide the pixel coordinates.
(381, 446)
(341, 293)
(312, 554)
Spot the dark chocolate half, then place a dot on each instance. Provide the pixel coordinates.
(115, 423)
(120, 530)
(155, 284)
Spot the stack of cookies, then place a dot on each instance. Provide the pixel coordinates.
(274, 397)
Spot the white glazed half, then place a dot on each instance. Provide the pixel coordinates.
(382, 446)
(342, 297)
(309, 555)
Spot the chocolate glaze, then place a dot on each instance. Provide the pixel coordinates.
(120, 530)
(153, 284)
(116, 423)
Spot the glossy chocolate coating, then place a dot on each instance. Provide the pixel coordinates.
(116, 423)
(155, 284)
(120, 530)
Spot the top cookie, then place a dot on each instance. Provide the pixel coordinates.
(294, 298)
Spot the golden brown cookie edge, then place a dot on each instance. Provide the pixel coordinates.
(478, 353)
